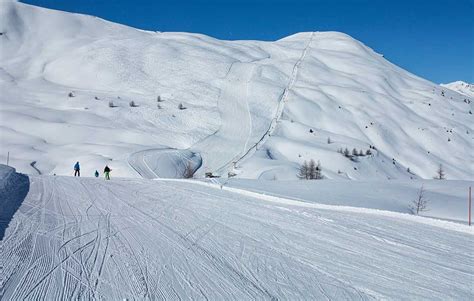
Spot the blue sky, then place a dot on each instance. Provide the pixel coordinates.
(433, 39)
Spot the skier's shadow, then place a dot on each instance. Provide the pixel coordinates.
(13, 192)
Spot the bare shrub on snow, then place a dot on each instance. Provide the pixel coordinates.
(188, 171)
(419, 204)
(440, 174)
(310, 171)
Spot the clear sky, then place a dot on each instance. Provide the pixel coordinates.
(433, 39)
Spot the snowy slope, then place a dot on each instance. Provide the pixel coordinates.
(70, 239)
(447, 200)
(461, 87)
(249, 104)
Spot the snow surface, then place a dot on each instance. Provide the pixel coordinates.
(461, 87)
(250, 105)
(256, 109)
(132, 239)
(447, 200)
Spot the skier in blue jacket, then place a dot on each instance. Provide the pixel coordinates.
(77, 169)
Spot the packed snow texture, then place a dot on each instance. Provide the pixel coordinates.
(133, 239)
(256, 109)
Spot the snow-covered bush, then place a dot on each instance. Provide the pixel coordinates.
(347, 153)
(354, 152)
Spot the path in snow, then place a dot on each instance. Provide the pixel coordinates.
(223, 147)
(163, 163)
(280, 108)
(218, 149)
(32, 164)
(230, 144)
(88, 238)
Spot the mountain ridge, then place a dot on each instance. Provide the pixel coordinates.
(461, 87)
(342, 91)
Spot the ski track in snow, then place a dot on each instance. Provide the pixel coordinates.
(67, 85)
(221, 153)
(93, 239)
(218, 150)
(163, 163)
(280, 109)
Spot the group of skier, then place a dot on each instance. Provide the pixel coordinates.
(77, 171)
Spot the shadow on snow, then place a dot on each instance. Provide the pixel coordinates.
(13, 190)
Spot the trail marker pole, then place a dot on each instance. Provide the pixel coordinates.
(8, 158)
(469, 205)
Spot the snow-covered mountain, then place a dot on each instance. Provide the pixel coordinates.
(258, 109)
(461, 87)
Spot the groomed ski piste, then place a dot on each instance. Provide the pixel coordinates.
(255, 110)
(131, 239)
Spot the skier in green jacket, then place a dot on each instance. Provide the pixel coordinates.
(107, 171)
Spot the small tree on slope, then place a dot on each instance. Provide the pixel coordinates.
(311, 169)
(317, 173)
(347, 153)
(440, 174)
(354, 152)
(420, 204)
(304, 173)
